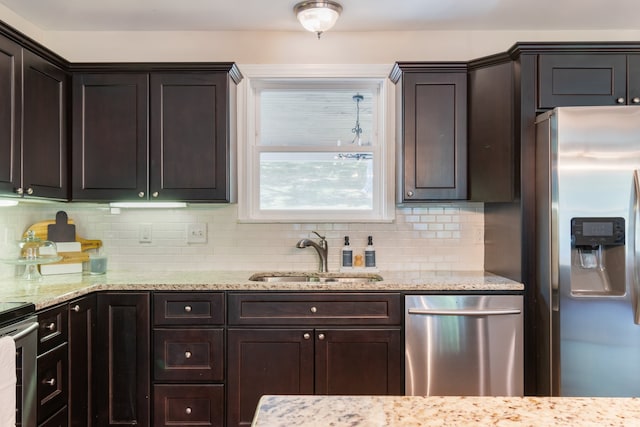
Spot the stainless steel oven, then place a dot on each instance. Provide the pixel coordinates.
(18, 322)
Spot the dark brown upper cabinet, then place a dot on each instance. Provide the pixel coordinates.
(152, 135)
(588, 79)
(433, 130)
(33, 137)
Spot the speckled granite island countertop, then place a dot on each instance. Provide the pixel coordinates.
(52, 290)
(413, 411)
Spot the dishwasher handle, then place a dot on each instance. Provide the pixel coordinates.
(454, 312)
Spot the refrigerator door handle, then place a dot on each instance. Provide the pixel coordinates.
(635, 292)
(436, 312)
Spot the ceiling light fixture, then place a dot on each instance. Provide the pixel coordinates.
(317, 16)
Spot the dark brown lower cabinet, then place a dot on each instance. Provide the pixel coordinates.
(122, 380)
(82, 321)
(309, 361)
(266, 361)
(358, 361)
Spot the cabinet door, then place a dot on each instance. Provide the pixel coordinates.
(494, 155)
(358, 362)
(122, 359)
(633, 79)
(266, 361)
(44, 129)
(588, 79)
(434, 136)
(10, 115)
(82, 319)
(189, 159)
(110, 136)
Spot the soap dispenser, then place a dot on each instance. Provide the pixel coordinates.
(370, 254)
(347, 254)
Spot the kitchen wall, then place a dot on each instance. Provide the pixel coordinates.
(427, 237)
(447, 236)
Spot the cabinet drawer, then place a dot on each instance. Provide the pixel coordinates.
(314, 308)
(53, 328)
(52, 382)
(188, 354)
(191, 308)
(188, 405)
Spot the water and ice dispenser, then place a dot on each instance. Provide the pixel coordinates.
(598, 256)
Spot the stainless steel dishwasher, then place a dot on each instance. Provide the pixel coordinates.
(463, 345)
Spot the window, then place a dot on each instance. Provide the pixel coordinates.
(315, 147)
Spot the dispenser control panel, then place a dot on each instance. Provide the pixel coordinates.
(597, 231)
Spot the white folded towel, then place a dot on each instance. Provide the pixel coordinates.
(7, 381)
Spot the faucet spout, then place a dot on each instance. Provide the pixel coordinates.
(322, 249)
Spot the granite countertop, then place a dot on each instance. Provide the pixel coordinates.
(413, 411)
(52, 290)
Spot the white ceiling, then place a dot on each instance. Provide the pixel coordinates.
(358, 15)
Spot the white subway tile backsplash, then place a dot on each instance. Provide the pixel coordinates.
(446, 236)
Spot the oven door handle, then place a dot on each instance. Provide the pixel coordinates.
(436, 312)
(26, 331)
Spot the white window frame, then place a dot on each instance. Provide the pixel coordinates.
(255, 76)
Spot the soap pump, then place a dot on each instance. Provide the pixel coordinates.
(370, 254)
(347, 254)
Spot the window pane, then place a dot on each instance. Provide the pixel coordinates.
(318, 181)
(314, 117)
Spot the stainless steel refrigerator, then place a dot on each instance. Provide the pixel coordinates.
(587, 196)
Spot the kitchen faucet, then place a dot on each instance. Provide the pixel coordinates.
(322, 249)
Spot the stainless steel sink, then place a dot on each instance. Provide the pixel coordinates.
(279, 276)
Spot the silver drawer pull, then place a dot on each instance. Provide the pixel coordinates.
(76, 308)
(187, 411)
(187, 308)
(187, 354)
(50, 327)
(313, 309)
(50, 382)
(321, 337)
(306, 336)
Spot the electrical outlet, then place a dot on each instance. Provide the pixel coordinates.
(197, 232)
(145, 235)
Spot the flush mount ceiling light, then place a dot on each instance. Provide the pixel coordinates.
(317, 16)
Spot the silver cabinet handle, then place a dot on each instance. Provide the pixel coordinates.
(436, 312)
(187, 308)
(306, 336)
(313, 309)
(75, 308)
(50, 382)
(155, 194)
(636, 100)
(321, 337)
(50, 327)
(187, 411)
(29, 190)
(620, 100)
(141, 194)
(187, 354)
(20, 191)
(409, 193)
